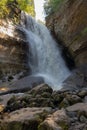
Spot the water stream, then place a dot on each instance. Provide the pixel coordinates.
(45, 58)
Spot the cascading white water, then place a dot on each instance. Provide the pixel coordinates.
(45, 57)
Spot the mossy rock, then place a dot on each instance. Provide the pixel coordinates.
(12, 100)
(57, 98)
(41, 89)
(64, 103)
(12, 125)
(64, 125)
(46, 94)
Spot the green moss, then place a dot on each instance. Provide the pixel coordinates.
(15, 126)
(13, 99)
(43, 127)
(84, 31)
(11, 126)
(80, 36)
(46, 95)
(64, 125)
(64, 104)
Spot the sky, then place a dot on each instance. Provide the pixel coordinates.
(39, 9)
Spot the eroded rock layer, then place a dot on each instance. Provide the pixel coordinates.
(13, 56)
(69, 25)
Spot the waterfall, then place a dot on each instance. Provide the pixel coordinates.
(44, 54)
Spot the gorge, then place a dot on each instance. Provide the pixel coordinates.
(37, 89)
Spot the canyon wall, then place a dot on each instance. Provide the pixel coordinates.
(13, 56)
(69, 25)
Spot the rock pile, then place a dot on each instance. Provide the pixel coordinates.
(41, 108)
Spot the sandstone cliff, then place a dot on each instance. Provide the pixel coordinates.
(69, 25)
(13, 57)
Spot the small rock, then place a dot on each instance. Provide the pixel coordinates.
(85, 99)
(83, 119)
(73, 99)
(82, 93)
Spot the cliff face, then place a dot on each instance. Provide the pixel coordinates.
(13, 57)
(69, 25)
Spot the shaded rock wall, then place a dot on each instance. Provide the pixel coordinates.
(69, 25)
(13, 56)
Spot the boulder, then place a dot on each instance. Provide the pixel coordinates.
(78, 107)
(77, 80)
(23, 119)
(21, 85)
(40, 89)
(57, 121)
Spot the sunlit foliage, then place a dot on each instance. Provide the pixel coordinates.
(52, 5)
(12, 8)
(3, 9)
(27, 6)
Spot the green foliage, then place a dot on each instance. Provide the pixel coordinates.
(84, 31)
(27, 6)
(52, 5)
(3, 9)
(12, 8)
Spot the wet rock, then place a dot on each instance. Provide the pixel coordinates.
(22, 85)
(77, 80)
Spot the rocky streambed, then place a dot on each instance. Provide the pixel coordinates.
(41, 108)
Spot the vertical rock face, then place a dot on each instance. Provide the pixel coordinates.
(69, 25)
(13, 56)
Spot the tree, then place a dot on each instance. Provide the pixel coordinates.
(52, 5)
(12, 8)
(3, 9)
(27, 6)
